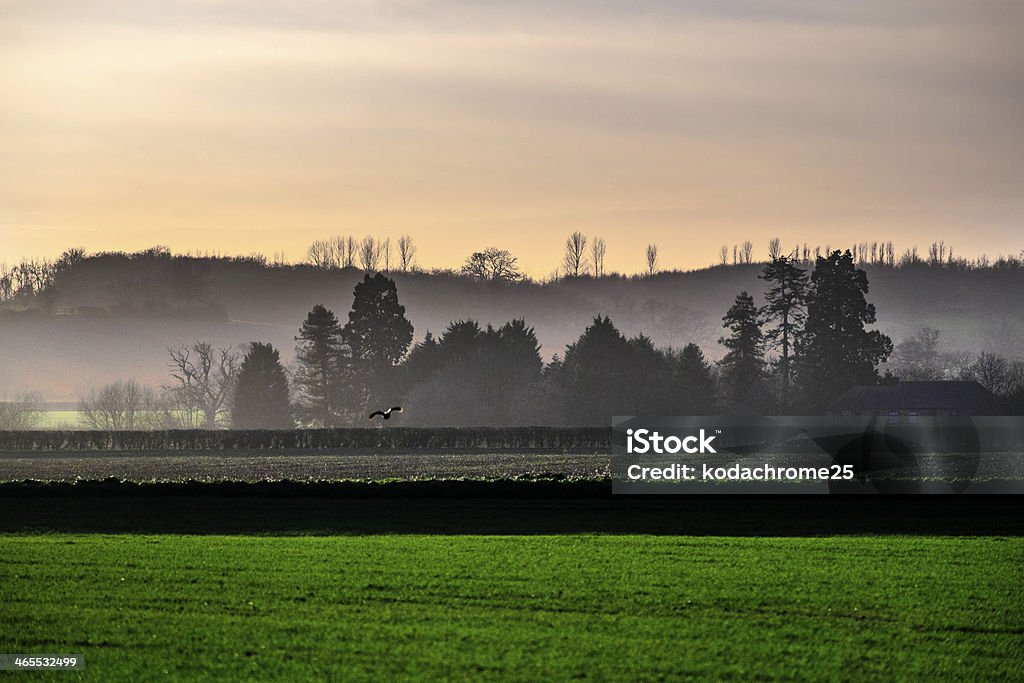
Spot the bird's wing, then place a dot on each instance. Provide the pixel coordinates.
(397, 409)
(376, 413)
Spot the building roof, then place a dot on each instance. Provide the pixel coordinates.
(967, 398)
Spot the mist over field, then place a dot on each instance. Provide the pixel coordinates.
(113, 319)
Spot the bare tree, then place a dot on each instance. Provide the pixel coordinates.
(597, 249)
(774, 249)
(574, 260)
(748, 252)
(384, 247)
(369, 255)
(338, 250)
(652, 259)
(735, 254)
(406, 252)
(723, 255)
(6, 283)
(996, 374)
(493, 264)
(350, 252)
(320, 254)
(24, 412)
(205, 377)
(122, 405)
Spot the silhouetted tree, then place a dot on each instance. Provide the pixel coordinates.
(338, 255)
(260, 399)
(350, 252)
(597, 251)
(748, 252)
(493, 264)
(459, 339)
(574, 261)
(743, 364)
(424, 360)
(786, 308)
(319, 375)
(204, 378)
(655, 389)
(697, 381)
(835, 351)
(483, 377)
(321, 254)
(652, 259)
(369, 254)
(595, 376)
(406, 252)
(378, 336)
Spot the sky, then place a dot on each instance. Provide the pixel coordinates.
(236, 126)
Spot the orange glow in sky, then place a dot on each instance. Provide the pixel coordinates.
(236, 127)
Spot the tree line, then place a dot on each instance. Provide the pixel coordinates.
(38, 281)
(805, 344)
(795, 352)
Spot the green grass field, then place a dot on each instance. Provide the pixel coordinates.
(529, 607)
(61, 419)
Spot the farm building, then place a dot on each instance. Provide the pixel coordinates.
(910, 399)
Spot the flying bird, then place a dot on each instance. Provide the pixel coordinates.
(386, 414)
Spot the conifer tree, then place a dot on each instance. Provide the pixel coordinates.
(786, 308)
(319, 376)
(260, 399)
(743, 364)
(835, 352)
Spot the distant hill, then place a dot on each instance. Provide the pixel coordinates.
(113, 316)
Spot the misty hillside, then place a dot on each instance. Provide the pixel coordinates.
(112, 317)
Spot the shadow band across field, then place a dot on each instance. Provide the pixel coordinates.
(475, 507)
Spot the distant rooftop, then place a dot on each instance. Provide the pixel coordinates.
(955, 397)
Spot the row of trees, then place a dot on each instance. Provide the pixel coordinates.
(922, 357)
(807, 343)
(37, 280)
(34, 277)
(815, 325)
(877, 253)
(584, 255)
(369, 253)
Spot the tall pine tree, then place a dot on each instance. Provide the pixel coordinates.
(786, 310)
(319, 376)
(743, 364)
(835, 351)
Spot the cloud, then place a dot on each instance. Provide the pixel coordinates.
(733, 117)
